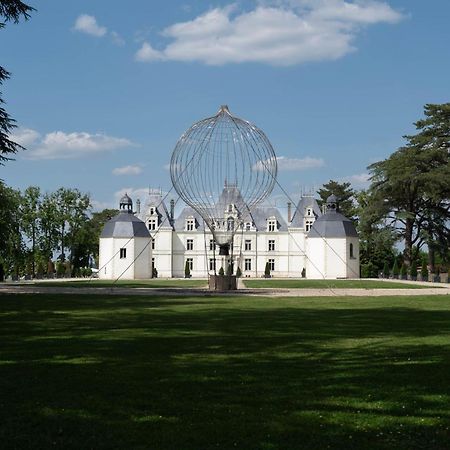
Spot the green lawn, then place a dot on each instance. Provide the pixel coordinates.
(154, 283)
(104, 372)
(327, 284)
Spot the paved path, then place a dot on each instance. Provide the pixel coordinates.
(35, 288)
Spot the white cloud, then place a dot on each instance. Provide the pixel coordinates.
(88, 24)
(360, 180)
(293, 164)
(128, 170)
(25, 136)
(147, 53)
(117, 38)
(61, 145)
(280, 33)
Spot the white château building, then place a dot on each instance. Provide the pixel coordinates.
(308, 242)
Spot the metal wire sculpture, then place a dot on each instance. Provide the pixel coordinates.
(223, 167)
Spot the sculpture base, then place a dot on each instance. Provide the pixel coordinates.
(222, 283)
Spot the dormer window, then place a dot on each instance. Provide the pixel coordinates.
(190, 224)
(272, 225)
(248, 226)
(309, 212)
(152, 224)
(152, 210)
(308, 225)
(230, 224)
(230, 208)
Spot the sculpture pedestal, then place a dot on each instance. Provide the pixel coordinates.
(222, 283)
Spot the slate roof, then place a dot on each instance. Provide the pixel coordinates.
(156, 200)
(299, 214)
(332, 225)
(180, 221)
(125, 225)
(262, 213)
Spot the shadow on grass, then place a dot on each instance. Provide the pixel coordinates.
(200, 373)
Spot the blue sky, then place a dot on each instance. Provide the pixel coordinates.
(102, 92)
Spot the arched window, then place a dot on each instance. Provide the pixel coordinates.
(351, 251)
(230, 224)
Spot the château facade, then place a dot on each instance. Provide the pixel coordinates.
(307, 242)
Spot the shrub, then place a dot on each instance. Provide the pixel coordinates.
(230, 269)
(187, 270)
(386, 270)
(40, 269)
(304, 272)
(403, 271)
(395, 270)
(154, 273)
(221, 272)
(424, 271)
(238, 272)
(413, 270)
(267, 270)
(60, 269)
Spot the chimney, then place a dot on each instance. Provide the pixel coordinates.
(172, 209)
(138, 206)
(289, 205)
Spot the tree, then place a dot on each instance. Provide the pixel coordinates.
(411, 188)
(376, 239)
(187, 270)
(12, 248)
(267, 270)
(30, 212)
(10, 11)
(345, 195)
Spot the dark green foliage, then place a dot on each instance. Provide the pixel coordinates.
(238, 272)
(345, 195)
(187, 270)
(328, 284)
(221, 272)
(230, 269)
(395, 269)
(403, 271)
(267, 270)
(154, 273)
(410, 189)
(413, 270)
(386, 271)
(424, 271)
(60, 269)
(10, 11)
(190, 373)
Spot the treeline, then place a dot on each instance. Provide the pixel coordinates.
(41, 233)
(407, 204)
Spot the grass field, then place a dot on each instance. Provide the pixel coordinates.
(93, 371)
(153, 283)
(327, 284)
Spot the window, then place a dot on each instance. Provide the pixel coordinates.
(248, 245)
(190, 262)
(212, 264)
(352, 256)
(247, 264)
(123, 253)
(248, 226)
(309, 212)
(271, 264)
(190, 244)
(153, 264)
(152, 210)
(271, 245)
(271, 225)
(308, 225)
(230, 224)
(152, 223)
(212, 244)
(230, 208)
(190, 224)
(153, 243)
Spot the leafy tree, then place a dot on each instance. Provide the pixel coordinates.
(30, 212)
(411, 187)
(12, 248)
(345, 195)
(48, 239)
(377, 240)
(10, 11)
(386, 270)
(424, 271)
